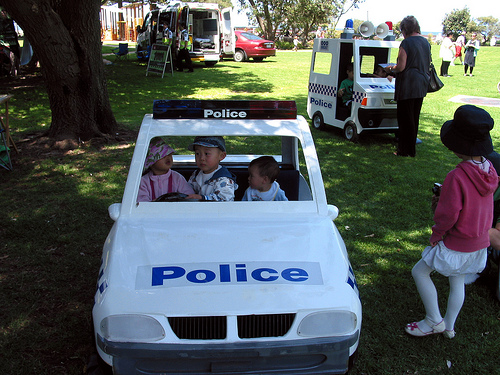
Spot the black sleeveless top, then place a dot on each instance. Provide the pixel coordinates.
(413, 81)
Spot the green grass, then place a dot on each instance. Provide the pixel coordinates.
(54, 218)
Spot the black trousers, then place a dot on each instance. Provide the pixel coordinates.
(183, 54)
(444, 67)
(408, 113)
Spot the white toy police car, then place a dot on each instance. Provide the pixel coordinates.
(228, 287)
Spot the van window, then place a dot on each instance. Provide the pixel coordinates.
(322, 62)
(372, 56)
(367, 65)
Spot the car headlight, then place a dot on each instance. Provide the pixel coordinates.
(135, 328)
(327, 323)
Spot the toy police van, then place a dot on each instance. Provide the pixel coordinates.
(228, 287)
(210, 30)
(373, 108)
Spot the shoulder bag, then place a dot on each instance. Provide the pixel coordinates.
(435, 83)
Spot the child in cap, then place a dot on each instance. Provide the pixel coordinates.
(262, 175)
(462, 219)
(159, 179)
(211, 182)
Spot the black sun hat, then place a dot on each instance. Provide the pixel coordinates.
(469, 131)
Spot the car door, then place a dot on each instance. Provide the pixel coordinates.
(228, 38)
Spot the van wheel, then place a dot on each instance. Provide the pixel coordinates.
(239, 56)
(209, 64)
(318, 122)
(351, 132)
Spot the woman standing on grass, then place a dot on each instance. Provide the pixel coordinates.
(471, 49)
(447, 53)
(412, 81)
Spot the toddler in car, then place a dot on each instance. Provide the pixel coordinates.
(211, 181)
(159, 178)
(262, 175)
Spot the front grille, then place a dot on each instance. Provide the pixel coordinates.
(250, 326)
(199, 327)
(215, 327)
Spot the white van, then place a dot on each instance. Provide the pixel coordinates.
(373, 107)
(228, 287)
(210, 30)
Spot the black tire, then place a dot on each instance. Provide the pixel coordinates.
(351, 132)
(239, 56)
(209, 64)
(318, 121)
(258, 59)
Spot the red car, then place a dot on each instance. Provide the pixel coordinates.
(249, 45)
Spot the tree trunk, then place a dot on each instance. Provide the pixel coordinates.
(66, 37)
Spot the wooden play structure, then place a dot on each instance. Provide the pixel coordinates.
(121, 23)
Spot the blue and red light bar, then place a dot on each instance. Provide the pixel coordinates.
(224, 109)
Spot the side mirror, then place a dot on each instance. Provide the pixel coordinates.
(114, 211)
(333, 212)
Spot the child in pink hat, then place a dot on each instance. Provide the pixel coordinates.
(159, 178)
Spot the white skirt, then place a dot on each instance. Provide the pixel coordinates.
(451, 263)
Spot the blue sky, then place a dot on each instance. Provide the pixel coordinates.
(429, 13)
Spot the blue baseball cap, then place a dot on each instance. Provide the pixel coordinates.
(212, 141)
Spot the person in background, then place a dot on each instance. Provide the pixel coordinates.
(167, 36)
(459, 45)
(447, 53)
(295, 43)
(412, 82)
(471, 49)
(183, 54)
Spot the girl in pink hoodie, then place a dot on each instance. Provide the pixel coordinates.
(463, 216)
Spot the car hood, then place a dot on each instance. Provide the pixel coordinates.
(225, 267)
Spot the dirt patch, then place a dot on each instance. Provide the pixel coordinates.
(24, 81)
(39, 146)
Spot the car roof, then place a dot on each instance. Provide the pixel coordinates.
(249, 35)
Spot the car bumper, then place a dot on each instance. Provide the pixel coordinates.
(261, 53)
(329, 355)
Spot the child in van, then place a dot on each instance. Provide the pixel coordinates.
(462, 219)
(262, 175)
(380, 72)
(346, 86)
(159, 178)
(211, 182)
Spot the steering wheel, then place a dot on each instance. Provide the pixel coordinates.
(174, 197)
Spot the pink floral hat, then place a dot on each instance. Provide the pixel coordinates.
(158, 149)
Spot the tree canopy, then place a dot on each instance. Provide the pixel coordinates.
(459, 21)
(488, 27)
(300, 16)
